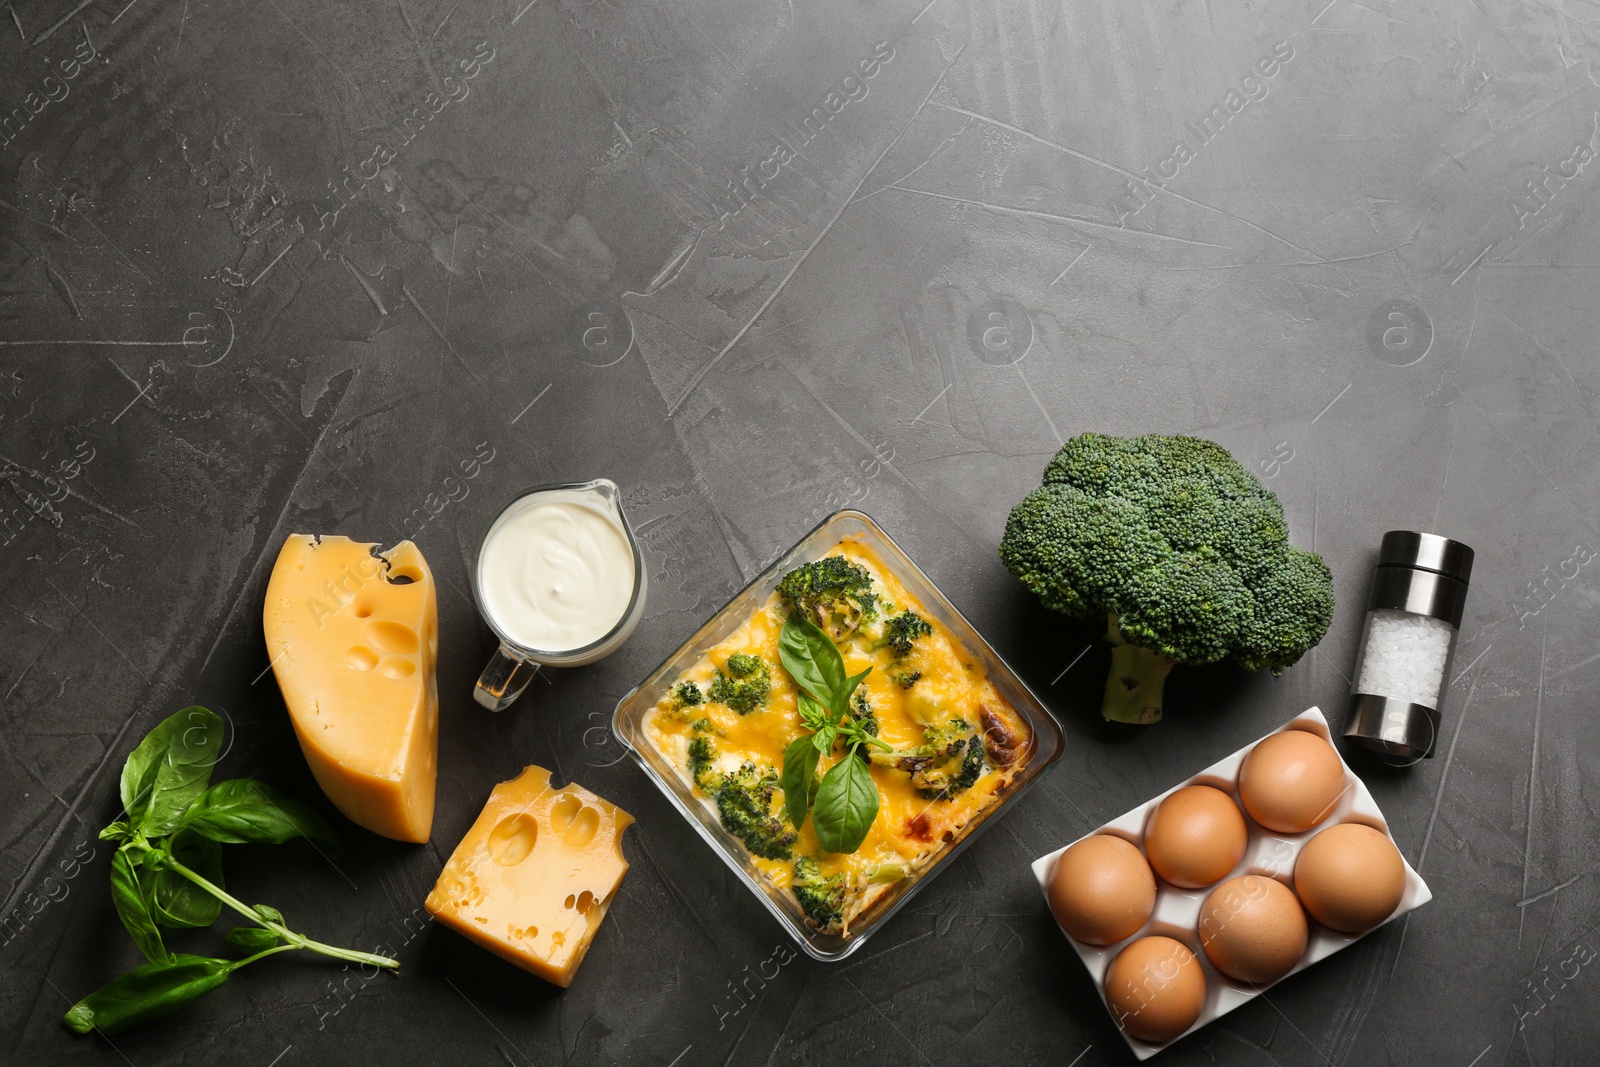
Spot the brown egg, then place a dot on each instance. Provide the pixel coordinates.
(1101, 890)
(1291, 781)
(1350, 877)
(1253, 929)
(1196, 836)
(1155, 989)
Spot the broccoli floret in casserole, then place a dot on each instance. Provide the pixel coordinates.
(822, 899)
(745, 685)
(744, 801)
(902, 631)
(949, 761)
(834, 592)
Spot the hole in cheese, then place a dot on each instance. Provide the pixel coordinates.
(583, 828)
(569, 902)
(563, 811)
(362, 658)
(392, 636)
(397, 667)
(576, 822)
(513, 838)
(585, 901)
(404, 575)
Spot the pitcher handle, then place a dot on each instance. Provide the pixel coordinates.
(504, 679)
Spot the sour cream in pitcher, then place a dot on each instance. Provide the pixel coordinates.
(556, 572)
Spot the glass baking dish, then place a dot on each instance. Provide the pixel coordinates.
(628, 725)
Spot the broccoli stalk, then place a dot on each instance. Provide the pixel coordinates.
(1180, 549)
(1135, 683)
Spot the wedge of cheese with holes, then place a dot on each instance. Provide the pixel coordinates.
(353, 636)
(534, 876)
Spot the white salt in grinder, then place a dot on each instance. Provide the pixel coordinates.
(1419, 590)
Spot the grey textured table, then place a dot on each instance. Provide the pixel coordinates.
(285, 266)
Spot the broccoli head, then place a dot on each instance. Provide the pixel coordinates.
(745, 684)
(901, 632)
(834, 592)
(861, 711)
(822, 899)
(948, 763)
(1181, 550)
(744, 801)
(906, 679)
(683, 697)
(702, 754)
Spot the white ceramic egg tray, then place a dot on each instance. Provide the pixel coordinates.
(1177, 911)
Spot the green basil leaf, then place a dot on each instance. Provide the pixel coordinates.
(149, 991)
(799, 778)
(811, 657)
(243, 810)
(813, 716)
(117, 831)
(847, 802)
(254, 938)
(130, 894)
(176, 901)
(170, 769)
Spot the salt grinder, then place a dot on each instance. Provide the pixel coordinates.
(1419, 590)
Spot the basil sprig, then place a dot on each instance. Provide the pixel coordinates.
(167, 871)
(844, 801)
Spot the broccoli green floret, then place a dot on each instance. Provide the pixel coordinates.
(702, 725)
(905, 679)
(822, 899)
(861, 711)
(902, 631)
(1183, 552)
(958, 761)
(836, 594)
(744, 801)
(745, 685)
(949, 762)
(702, 754)
(955, 775)
(948, 738)
(687, 695)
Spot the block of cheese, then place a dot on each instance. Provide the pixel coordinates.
(353, 637)
(534, 876)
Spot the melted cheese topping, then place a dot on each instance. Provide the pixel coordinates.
(910, 831)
